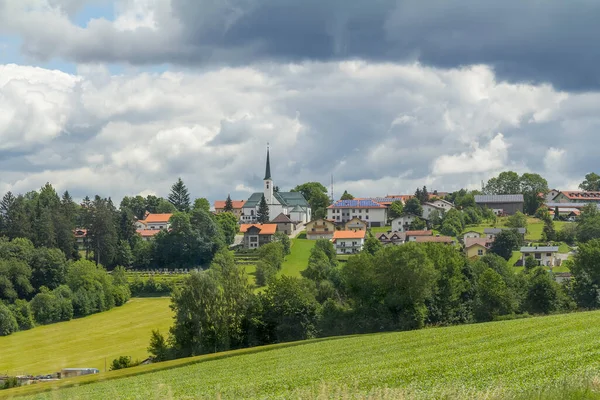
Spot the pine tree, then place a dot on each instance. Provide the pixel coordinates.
(263, 211)
(228, 204)
(424, 195)
(179, 196)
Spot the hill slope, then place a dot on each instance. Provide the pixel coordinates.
(85, 342)
(517, 355)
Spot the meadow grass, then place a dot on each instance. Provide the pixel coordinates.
(297, 260)
(545, 357)
(86, 342)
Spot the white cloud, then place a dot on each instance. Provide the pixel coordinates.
(489, 158)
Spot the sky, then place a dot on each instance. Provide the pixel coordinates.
(122, 97)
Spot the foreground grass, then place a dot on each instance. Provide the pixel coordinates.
(527, 358)
(297, 260)
(86, 342)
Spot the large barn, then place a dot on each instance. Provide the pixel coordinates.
(501, 204)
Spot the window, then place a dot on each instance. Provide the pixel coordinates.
(326, 229)
(367, 210)
(548, 254)
(251, 212)
(267, 185)
(480, 252)
(366, 217)
(253, 239)
(313, 229)
(538, 256)
(360, 211)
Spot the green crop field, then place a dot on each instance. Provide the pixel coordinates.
(297, 260)
(492, 360)
(85, 342)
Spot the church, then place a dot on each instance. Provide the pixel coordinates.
(291, 204)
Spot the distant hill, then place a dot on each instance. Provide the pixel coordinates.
(493, 360)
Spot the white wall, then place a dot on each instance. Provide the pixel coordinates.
(369, 215)
(349, 246)
(398, 223)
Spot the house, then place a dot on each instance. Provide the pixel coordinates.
(477, 247)
(147, 234)
(320, 229)
(356, 224)
(71, 372)
(256, 235)
(434, 239)
(402, 223)
(491, 233)
(237, 205)
(551, 195)
(154, 222)
(471, 235)
(501, 204)
(411, 236)
(292, 204)
(441, 206)
(563, 277)
(391, 238)
(284, 224)
(80, 238)
(546, 256)
(577, 197)
(367, 210)
(348, 242)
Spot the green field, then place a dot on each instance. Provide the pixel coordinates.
(297, 260)
(492, 360)
(85, 342)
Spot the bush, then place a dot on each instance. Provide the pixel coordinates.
(265, 273)
(23, 315)
(123, 362)
(8, 323)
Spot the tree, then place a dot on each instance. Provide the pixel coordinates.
(202, 204)
(396, 209)
(316, 196)
(418, 224)
(586, 274)
(505, 242)
(507, 182)
(48, 268)
(158, 347)
(228, 204)
(413, 206)
(530, 263)
(542, 293)
(372, 244)
(228, 223)
(8, 323)
(591, 183)
(285, 241)
(518, 220)
(179, 196)
(102, 231)
(121, 363)
(346, 196)
(533, 188)
(424, 195)
(262, 214)
(23, 315)
(493, 296)
(124, 255)
(548, 232)
(588, 227)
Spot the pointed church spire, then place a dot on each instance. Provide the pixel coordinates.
(268, 169)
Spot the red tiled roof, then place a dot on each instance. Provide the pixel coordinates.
(577, 195)
(348, 235)
(434, 239)
(79, 233)
(157, 218)
(419, 233)
(265, 229)
(470, 242)
(220, 204)
(148, 232)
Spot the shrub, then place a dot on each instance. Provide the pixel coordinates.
(8, 323)
(123, 362)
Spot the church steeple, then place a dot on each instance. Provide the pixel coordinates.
(268, 169)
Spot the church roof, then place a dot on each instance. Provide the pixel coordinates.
(268, 169)
(291, 199)
(253, 200)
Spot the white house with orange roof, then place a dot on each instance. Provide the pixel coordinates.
(237, 206)
(373, 213)
(154, 222)
(348, 242)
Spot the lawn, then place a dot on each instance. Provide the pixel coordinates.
(297, 260)
(86, 342)
(525, 358)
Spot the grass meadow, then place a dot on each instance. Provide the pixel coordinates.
(86, 342)
(551, 357)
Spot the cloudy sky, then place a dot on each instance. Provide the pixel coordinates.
(121, 97)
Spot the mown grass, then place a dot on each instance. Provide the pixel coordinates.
(86, 342)
(297, 260)
(526, 358)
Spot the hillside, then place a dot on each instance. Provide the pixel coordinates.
(492, 359)
(85, 342)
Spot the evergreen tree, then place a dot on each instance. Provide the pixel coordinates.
(102, 232)
(424, 195)
(263, 211)
(228, 204)
(347, 196)
(179, 196)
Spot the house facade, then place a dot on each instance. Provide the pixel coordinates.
(256, 235)
(237, 205)
(356, 224)
(546, 256)
(320, 229)
(373, 213)
(148, 234)
(80, 238)
(391, 238)
(441, 206)
(491, 233)
(292, 204)
(402, 223)
(504, 204)
(477, 247)
(411, 236)
(348, 242)
(284, 224)
(471, 235)
(551, 195)
(154, 222)
(577, 197)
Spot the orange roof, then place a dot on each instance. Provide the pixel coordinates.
(435, 239)
(419, 233)
(576, 195)
(220, 204)
(265, 229)
(484, 242)
(79, 233)
(148, 232)
(157, 218)
(348, 235)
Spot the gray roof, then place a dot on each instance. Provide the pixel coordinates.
(539, 249)
(253, 200)
(499, 198)
(281, 219)
(288, 199)
(495, 231)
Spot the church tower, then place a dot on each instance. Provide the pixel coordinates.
(268, 190)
